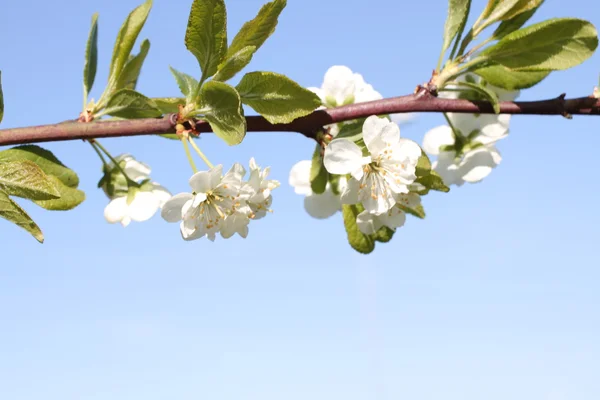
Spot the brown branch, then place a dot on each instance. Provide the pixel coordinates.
(308, 125)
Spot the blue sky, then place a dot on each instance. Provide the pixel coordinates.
(495, 295)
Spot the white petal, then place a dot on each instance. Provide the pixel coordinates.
(477, 165)
(136, 170)
(394, 218)
(445, 166)
(350, 192)
(343, 157)
(322, 206)
(201, 182)
(368, 223)
(172, 209)
(319, 92)
(375, 194)
(379, 132)
(116, 210)
(403, 118)
(467, 123)
(144, 206)
(409, 149)
(495, 126)
(338, 83)
(161, 193)
(300, 177)
(437, 137)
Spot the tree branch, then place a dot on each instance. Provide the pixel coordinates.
(308, 125)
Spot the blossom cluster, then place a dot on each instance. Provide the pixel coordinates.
(220, 203)
(466, 148)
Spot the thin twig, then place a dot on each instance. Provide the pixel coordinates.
(308, 125)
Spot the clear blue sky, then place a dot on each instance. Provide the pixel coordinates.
(494, 296)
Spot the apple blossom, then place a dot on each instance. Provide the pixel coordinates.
(140, 205)
(383, 174)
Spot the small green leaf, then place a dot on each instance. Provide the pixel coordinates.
(187, 85)
(509, 26)
(221, 106)
(433, 181)
(360, 242)
(318, 173)
(521, 7)
(276, 97)
(384, 234)
(496, 11)
(1, 99)
(351, 130)
(11, 211)
(69, 197)
(418, 211)
(508, 79)
(486, 93)
(43, 159)
(25, 179)
(127, 103)
(458, 12)
(131, 71)
(556, 44)
(170, 136)
(91, 58)
(126, 39)
(169, 105)
(206, 34)
(235, 64)
(423, 165)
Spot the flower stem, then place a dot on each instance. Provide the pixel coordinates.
(189, 154)
(201, 154)
(93, 144)
(130, 182)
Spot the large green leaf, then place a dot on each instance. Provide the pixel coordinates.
(1, 99)
(234, 64)
(187, 85)
(508, 79)
(256, 31)
(43, 159)
(423, 165)
(276, 97)
(484, 92)
(70, 197)
(126, 39)
(91, 58)
(25, 179)
(458, 12)
(127, 103)
(221, 106)
(433, 181)
(556, 44)
(131, 71)
(360, 242)
(169, 105)
(318, 174)
(11, 211)
(206, 34)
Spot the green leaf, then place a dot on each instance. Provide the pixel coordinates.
(1, 99)
(206, 35)
(168, 105)
(127, 103)
(433, 181)
(423, 165)
(458, 12)
(187, 85)
(418, 211)
(318, 173)
(496, 11)
(43, 159)
(486, 93)
(222, 108)
(257, 31)
(512, 24)
(351, 130)
(131, 71)
(70, 197)
(126, 39)
(276, 97)
(521, 7)
(235, 64)
(360, 242)
(11, 211)
(508, 79)
(91, 58)
(170, 136)
(556, 44)
(384, 234)
(25, 179)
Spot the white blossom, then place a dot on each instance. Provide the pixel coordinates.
(258, 190)
(318, 206)
(383, 174)
(139, 207)
(369, 223)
